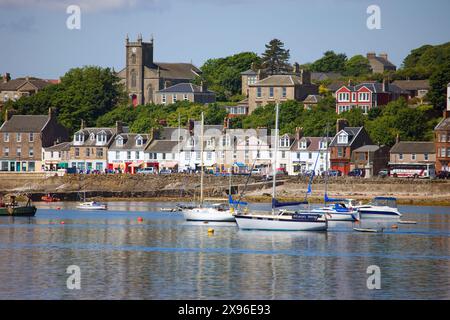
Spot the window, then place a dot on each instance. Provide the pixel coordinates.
(163, 98)
(88, 152)
(284, 142)
(340, 151)
(185, 97)
(342, 138)
(136, 155)
(283, 154)
(425, 156)
(79, 137)
(174, 98)
(6, 152)
(303, 144)
(271, 92)
(19, 152)
(321, 156)
(128, 155)
(18, 137)
(209, 155)
(448, 152)
(197, 155)
(77, 152)
(99, 152)
(117, 154)
(251, 80)
(344, 96)
(101, 138)
(133, 79)
(31, 152)
(354, 96)
(226, 141)
(364, 96)
(133, 58)
(323, 145)
(139, 141)
(120, 142)
(413, 156)
(365, 109)
(258, 92)
(284, 92)
(5, 98)
(6, 137)
(310, 155)
(400, 156)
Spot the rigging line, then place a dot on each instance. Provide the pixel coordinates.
(249, 176)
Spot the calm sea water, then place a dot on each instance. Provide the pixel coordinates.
(165, 257)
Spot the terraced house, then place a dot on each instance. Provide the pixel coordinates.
(22, 138)
(126, 152)
(89, 148)
(442, 139)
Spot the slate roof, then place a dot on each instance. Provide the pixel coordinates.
(184, 88)
(383, 61)
(312, 143)
(249, 72)
(443, 125)
(313, 98)
(129, 142)
(64, 146)
(15, 84)
(368, 148)
(352, 133)
(110, 132)
(25, 123)
(278, 80)
(163, 146)
(413, 147)
(377, 87)
(320, 76)
(412, 84)
(178, 70)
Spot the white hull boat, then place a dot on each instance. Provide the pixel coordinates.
(282, 223)
(209, 215)
(378, 212)
(334, 214)
(92, 206)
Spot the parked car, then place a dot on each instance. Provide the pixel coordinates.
(443, 175)
(332, 173)
(148, 170)
(165, 171)
(307, 173)
(356, 173)
(256, 171)
(383, 173)
(279, 172)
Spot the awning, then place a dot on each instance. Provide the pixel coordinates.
(64, 165)
(136, 164)
(239, 164)
(169, 164)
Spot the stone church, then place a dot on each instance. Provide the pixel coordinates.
(143, 77)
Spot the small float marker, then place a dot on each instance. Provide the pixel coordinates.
(139, 219)
(394, 226)
(62, 222)
(210, 231)
(407, 222)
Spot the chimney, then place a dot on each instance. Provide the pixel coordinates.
(82, 124)
(203, 86)
(371, 55)
(6, 77)
(119, 127)
(191, 126)
(397, 138)
(350, 82)
(384, 55)
(341, 124)
(448, 97)
(305, 76)
(8, 114)
(296, 68)
(51, 112)
(298, 133)
(385, 85)
(226, 123)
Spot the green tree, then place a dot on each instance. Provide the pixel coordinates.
(357, 66)
(276, 58)
(438, 83)
(330, 62)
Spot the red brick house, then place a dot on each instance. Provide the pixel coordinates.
(442, 139)
(366, 96)
(346, 140)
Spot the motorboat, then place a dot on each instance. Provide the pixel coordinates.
(14, 209)
(91, 205)
(338, 212)
(220, 212)
(380, 208)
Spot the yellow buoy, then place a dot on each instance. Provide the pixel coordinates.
(210, 231)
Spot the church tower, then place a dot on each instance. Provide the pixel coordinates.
(139, 55)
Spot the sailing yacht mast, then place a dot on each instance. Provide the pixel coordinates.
(201, 161)
(274, 162)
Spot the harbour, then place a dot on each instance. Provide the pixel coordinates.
(162, 256)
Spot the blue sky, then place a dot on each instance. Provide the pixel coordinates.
(35, 40)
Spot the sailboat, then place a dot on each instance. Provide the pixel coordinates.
(337, 210)
(90, 205)
(220, 212)
(282, 220)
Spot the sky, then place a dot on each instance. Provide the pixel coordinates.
(35, 39)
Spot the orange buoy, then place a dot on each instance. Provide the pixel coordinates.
(139, 219)
(58, 208)
(62, 222)
(394, 226)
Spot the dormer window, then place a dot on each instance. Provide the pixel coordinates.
(139, 141)
(303, 144)
(342, 138)
(92, 137)
(101, 138)
(210, 142)
(226, 141)
(323, 145)
(284, 142)
(79, 137)
(119, 141)
(191, 142)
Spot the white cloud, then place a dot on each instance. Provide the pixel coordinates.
(85, 5)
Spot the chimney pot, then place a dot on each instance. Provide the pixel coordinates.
(341, 124)
(119, 127)
(82, 124)
(371, 55)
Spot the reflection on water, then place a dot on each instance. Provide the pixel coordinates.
(165, 257)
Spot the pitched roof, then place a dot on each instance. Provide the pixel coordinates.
(165, 146)
(64, 146)
(129, 142)
(312, 143)
(178, 70)
(110, 132)
(413, 147)
(352, 133)
(376, 87)
(368, 148)
(25, 123)
(383, 61)
(412, 84)
(443, 125)
(184, 88)
(249, 72)
(313, 98)
(320, 76)
(278, 80)
(14, 85)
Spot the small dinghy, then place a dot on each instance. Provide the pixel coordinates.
(368, 230)
(407, 222)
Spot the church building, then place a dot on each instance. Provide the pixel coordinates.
(143, 77)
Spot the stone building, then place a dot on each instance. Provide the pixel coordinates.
(380, 64)
(185, 92)
(442, 139)
(23, 137)
(143, 77)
